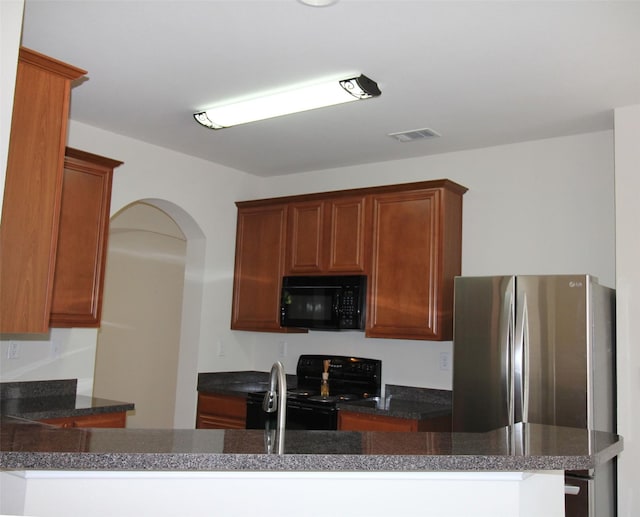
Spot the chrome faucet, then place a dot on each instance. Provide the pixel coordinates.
(276, 400)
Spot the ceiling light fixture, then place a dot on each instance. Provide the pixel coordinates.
(290, 101)
(318, 3)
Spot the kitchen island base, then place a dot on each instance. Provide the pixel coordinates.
(284, 494)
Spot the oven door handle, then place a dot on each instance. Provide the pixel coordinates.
(298, 405)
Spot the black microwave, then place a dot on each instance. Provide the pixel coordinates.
(324, 302)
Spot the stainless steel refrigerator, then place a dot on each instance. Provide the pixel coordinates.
(538, 349)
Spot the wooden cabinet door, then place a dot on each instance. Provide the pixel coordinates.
(305, 241)
(117, 420)
(327, 236)
(259, 266)
(82, 240)
(347, 235)
(32, 191)
(354, 421)
(217, 411)
(416, 253)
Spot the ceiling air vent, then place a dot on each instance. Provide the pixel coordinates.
(414, 134)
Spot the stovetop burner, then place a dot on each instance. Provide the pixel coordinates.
(350, 378)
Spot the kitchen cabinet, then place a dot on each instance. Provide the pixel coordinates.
(218, 411)
(32, 191)
(406, 238)
(117, 419)
(259, 266)
(416, 253)
(327, 236)
(356, 421)
(82, 240)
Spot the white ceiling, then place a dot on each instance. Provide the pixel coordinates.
(480, 73)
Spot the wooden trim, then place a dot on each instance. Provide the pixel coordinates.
(50, 64)
(382, 189)
(84, 156)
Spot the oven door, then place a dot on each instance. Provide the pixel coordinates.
(300, 416)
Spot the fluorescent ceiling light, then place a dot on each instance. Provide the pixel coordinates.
(291, 101)
(318, 3)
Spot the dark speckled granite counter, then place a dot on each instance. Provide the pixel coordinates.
(37, 400)
(27, 445)
(405, 402)
(399, 401)
(237, 383)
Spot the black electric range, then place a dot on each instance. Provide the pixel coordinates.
(349, 378)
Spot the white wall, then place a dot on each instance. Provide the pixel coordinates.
(558, 191)
(627, 155)
(138, 345)
(200, 197)
(536, 207)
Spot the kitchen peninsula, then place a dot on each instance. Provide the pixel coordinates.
(510, 471)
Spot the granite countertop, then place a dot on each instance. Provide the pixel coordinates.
(238, 383)
(26, 445)
(37, 400)
(399, 401)
(404, 402)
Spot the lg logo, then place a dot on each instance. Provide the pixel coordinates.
(575, 284)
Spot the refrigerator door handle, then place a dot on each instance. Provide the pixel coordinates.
(525, 362)
(571, 490)
(519, 367)
(509, 307)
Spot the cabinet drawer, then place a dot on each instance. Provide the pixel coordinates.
(100, 420)
(216, 411)
(353, 421)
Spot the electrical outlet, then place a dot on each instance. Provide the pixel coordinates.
(445, 361)
(282, 348)
(221, 348)
(13, 350)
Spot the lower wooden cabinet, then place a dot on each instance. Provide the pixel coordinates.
(355, 421)
(118, 419)
(217, 411)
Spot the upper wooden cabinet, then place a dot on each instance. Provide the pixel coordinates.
(327, 236)
(82, 240)
(259, 265)
(417, 250)
(406, 238)
(32, 191)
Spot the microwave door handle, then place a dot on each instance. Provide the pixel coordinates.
(336, 308)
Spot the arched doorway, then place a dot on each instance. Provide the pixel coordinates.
(147, 346)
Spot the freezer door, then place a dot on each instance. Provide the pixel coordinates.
(552, 343)
(483, 330)
(578, 498)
